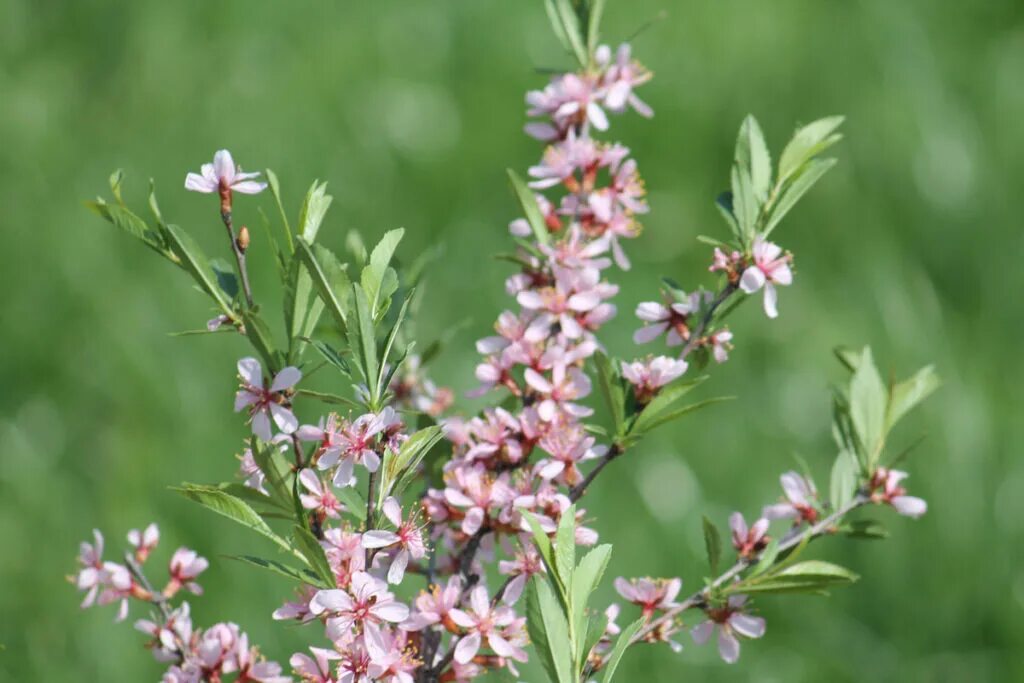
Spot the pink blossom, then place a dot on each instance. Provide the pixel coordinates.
(748, 542)
(660, 318)
(621, 78)
(725, 262)
(223, 175)
(407, 536)
(185, 566)
(567, 446)
(475, 490)
(355, 446)
(891, 492)
(650, 594)
(650, 376)
(144, 541)
(801, 500)
(525, 563)
(721, 344)
(250, 471)
(171, 637)
(392, 657)
(559, 393)
(482, 622)
(770, 268)
(297, 609)
(91, 576)
(315, 669)
(434, 605)
(367, 600)
(264, 403)
(319, 498)
(730, 621)
(252, 667)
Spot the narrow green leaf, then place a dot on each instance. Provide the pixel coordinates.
(548, 631)
(712, 544)
(611, 390)
(329, 279)
(301, 575)
(330, 399)
(571, 25)
(275, 191)
(313, 553)
(594, 25)
(226, 278)
(767, 559)
(233, 508)
(353, 501)
(196, 264)
(565, 546)
(620, 649)
(744, 204)
(843, 483)
(806, 142)
(868, 403)
(662, 402)
(544, 548)
(259, 336)
(672, 415)
(528, 202)
(332, 356)
(752, 154)
(388, 344)
(412, 454)
(363, 338)
(909, 393)
(314, 207)
(724, 205)
(798, 185)
(374, 272)
(865, 528)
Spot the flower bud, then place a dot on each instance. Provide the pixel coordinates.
(243, 239)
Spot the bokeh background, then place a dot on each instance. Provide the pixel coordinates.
(412, 111)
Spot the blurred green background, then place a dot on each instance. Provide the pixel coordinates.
(412, 111)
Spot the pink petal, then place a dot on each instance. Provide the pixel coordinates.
(286, 379)
(728, 646)
(250, 370)
(467, 648)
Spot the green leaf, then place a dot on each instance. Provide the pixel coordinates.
(193, 260)
(662, 402)
(865, 528)
(381, 385)
(767, 558)
(398, 471)
(544, 548)
(374, 272)
(818, 569)
(752, 155)
(571, 25)
(724, 204)
(673, 415)
(275, 469)
(356, 246)
(548, 631)
(353, 501)
(868, 401)
(314, 207)
(556, 25)
(744, 204)
(810, 576)
(226, 279)
(584, 581)
(594, 25)
(620, 649)
(798, 185)
(314, 555)
(251, 496)
(843, 483)
(330, 399)
(712, 544)
(806, 142)
(565, 546)
(275, 191)
(301, 575)
(231, 507)
(528, 202)
(611, 389)
(363, 338)
(332, 356)
(124, 219)
(904, 396)
(259, 336)
(329, 279)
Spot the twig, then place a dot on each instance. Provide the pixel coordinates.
(791, 540)
(156, 597)
(239, 253)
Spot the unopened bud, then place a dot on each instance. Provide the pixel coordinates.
(243, 239)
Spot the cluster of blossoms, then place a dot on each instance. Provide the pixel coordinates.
(193, 654)
(511, 468)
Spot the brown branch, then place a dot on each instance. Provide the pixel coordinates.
(239, 252)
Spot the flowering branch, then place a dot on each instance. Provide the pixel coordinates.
(501, 486)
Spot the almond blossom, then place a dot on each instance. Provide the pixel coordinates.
(482, 622)
(318, 498)
(748, 541)
(315, 669)
(650, 594)
(264, 403)
(650, 376)
(184, 567)
(770, 268)
(144, 541)
(801, 500)
(434, 605)
(366, 601)
(223, 175)
(729, 621)
(661, 318)
(407, 537)
(891, 492)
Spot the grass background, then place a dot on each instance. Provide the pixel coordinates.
(412, 110)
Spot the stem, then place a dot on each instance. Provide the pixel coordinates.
(695, 337)
(243, 273)
(156, 597)
(371, 504)
(791, 540)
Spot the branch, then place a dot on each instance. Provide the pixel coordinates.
(791, 540)
(236, 248)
